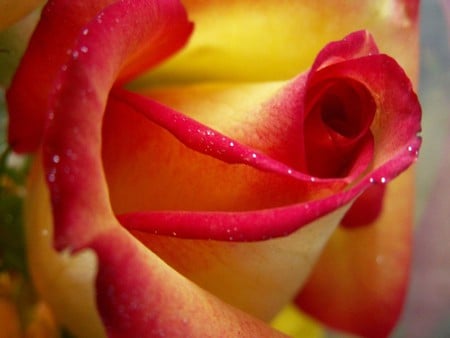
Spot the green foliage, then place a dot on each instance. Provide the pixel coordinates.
(12, 186)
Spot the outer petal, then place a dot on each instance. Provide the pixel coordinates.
(62, 37)
(104, 46)
(137, 294)
(272, 40)
(360, 281)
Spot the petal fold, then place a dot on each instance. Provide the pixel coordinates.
(70, 29)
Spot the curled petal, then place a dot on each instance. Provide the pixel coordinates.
(56, 44)
(137, 294)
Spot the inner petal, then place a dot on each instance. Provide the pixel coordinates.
(337, 126)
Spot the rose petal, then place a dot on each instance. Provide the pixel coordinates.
(138, 295)
(361, 279)
(294, 32)
(167, 27)
(150, 299)
(366, 208)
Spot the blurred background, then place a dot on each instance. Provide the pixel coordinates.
(427, 312)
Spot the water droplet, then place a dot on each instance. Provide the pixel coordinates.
(289, 171)
(51, 176)
(64, 68)
(75, 54)
(371, 180)
(313, 179)
(253, 155)
(56, 158)
(174, 233)
(232, 144)
(84, 49)
(85, 31)
(410, 148)
(100, 17)
(383, 180)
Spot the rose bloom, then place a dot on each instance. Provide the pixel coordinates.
(193, 197)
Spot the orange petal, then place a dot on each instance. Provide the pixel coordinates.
(360, 281)
(137, 293)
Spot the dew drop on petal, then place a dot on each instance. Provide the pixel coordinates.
(51, 176)
(84, 49)
(85, 31)
(231, 144)
(56, 159)
(371, 180)
(289, 171)
(383, 180)
(253, 155)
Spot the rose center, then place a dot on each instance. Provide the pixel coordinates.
(339, 115)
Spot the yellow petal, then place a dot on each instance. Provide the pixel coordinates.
(273, 40)
(66, 282)
(296, 324)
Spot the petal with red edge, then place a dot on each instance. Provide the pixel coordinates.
(161, 29)
(150, 299)
(360, 281)
(102, 47)
(138, 295)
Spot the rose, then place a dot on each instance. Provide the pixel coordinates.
(93, 159)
